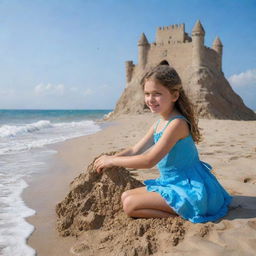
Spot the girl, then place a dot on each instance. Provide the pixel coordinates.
(186, 186)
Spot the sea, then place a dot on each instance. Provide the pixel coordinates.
(24, 137)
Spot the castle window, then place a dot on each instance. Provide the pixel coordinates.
(164, 62)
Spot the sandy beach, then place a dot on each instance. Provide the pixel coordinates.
(229, 146)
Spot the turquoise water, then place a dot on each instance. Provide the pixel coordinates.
(26, 116)
(24, 136)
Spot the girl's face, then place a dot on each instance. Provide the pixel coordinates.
(158, 98)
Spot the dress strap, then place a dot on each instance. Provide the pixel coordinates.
(175, 117)
(157, 123)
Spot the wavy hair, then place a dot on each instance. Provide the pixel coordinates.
(169, 78)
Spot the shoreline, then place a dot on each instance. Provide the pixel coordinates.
(227, 149)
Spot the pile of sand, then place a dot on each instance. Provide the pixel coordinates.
(93, 200)
(92, 211)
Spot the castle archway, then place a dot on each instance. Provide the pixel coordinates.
(164, 62)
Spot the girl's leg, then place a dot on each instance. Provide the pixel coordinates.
(129, 192)
(147, 205)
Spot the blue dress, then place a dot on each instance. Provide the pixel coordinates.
(187, 184)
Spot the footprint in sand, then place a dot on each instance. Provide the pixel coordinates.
(207, 153)
(219, 151)
(247, 156)
(233, 158)
(252, 224)
(223, 225)
(249, 180)
(216, 144)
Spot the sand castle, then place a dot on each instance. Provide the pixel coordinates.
(199, 66)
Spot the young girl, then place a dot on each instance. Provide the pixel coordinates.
(186, 186)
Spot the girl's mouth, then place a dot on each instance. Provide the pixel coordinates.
(153, 106)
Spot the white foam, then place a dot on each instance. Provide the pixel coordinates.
(36, 135)
(13, 130)
(14, 230)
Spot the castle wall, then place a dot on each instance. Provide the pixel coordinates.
(170, 34)
(211, 59)
(178, 55)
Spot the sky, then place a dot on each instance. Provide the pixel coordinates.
(70, 54)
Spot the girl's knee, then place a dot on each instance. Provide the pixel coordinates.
(125, 195)
(128, 205)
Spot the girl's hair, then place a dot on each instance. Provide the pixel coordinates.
(169, 78)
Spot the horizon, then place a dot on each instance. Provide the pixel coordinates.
(58, 55)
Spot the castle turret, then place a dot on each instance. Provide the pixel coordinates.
(129, 70)
(218, 46)
(143, 46)
(198, 34)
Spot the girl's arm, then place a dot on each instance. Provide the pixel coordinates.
(144, 144)
(176, 130)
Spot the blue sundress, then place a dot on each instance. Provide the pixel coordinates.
(187, 184)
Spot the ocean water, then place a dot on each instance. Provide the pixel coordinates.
(24, 136)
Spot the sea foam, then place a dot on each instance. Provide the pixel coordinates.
(14, 138)
(14, 230)
(13, 130)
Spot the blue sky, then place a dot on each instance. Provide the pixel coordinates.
(70, 54)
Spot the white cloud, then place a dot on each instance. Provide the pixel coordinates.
(61, 90)
(73, 89)
(88, 92)
(105, 86)
(247, 78)
(49, 89)
(7, 92)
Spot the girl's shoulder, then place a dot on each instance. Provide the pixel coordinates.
(178, 125)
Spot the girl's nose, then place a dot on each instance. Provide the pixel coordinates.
(151, 98)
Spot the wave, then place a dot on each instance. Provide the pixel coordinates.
(13, 130)
(36, 135)
(16, 130)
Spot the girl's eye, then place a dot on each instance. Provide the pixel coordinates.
(158, 94)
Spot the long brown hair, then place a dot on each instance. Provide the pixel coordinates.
(169, 78)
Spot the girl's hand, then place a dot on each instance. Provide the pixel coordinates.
(103, 162)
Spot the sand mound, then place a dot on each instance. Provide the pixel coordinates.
(93, 200)
(92, 211)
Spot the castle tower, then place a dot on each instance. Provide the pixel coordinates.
(198, 34)
(218, 46)
(143, 46)
(129, 70)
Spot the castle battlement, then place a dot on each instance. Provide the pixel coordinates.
(172, 27)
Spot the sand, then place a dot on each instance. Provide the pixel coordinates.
(229, 146)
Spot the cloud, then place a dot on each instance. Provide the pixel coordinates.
(247, 78)
(244, 85)
(105, 86)
(60, 90)
(88, 92)
(7, 92)
(49, 89)
(73, 89)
